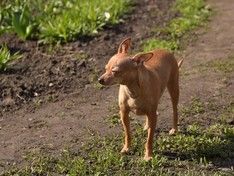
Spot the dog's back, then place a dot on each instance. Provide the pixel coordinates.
(165, 64)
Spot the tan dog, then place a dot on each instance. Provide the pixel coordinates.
(143, 79)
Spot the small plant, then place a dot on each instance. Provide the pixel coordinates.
(22, 22)
(6, 57)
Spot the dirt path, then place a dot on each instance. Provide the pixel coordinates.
(68, 122)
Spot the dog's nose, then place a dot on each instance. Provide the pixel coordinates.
(101, 80)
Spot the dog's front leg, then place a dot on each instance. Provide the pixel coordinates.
(124, 114)
(152, 121)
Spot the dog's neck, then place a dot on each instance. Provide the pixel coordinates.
(133, 89)
(133, 86)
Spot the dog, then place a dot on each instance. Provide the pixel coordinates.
(143, 79)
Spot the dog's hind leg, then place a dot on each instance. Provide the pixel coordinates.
(173, 89)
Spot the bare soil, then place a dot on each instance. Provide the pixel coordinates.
(49, 100)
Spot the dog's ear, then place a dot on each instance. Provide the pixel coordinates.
(124, 45)
(142, 57)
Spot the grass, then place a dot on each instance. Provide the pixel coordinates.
(227, 114)
(187, 153)
(93, 79)
(193, 13)
(113, 117)
(165, 44)
(113, 120)
(62, 20)
(221, 65)
(6, 57)
(195, 107)
(195, 151)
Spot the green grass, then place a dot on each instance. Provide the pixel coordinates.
(113, 120)
(6, 57)
(187, 153)
(165, 44)
(193, 13)
(221, 65)
(59, 20)
(228, 113)
(113, 117)
(195, 107)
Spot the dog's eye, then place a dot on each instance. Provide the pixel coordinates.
(115, 70)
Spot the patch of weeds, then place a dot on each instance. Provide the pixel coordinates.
(229, 132)
(227, 116)
(82, 18)
(195, 107)
(156, 43)
(194, 172)
(190, 146)
(221, 130)
(113, 118)
(193, 129)
(193, 13)
(81, 56)
(6, 57)
(174, 155)
(59, 20)
(221, 65)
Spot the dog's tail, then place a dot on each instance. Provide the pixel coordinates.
(180, 63)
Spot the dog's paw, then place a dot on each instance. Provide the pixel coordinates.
(147, 158)
(172, 131)
(125, 150)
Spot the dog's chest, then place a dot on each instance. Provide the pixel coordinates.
(137, 106)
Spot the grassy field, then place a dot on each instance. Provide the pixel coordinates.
(59, 20)
(192, 13)
(194, 151)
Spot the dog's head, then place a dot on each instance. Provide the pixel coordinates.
(122, 67)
